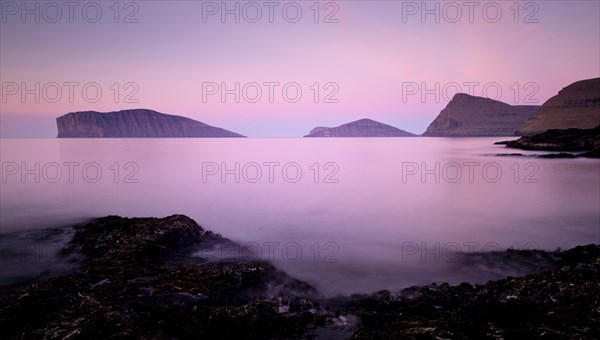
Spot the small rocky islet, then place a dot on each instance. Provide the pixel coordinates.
(136, 279)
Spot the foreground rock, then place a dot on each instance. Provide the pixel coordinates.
(575, 106)
(470, 116)
(140, 123)
(587, 140)
(137, 280)
(563, 303)
(360, 128)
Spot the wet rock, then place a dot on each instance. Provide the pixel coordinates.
(559, 140)
(560, 302)
(135, 280)
(559, 155)
(510, 155)
(177, 299)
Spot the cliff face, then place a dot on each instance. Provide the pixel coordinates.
(360, 128)
(575, 106)
(467, 115)
(140, 123)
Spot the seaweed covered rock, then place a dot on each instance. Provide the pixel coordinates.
(561, 303)
(137, 279)
(116, 238)
(132, 282)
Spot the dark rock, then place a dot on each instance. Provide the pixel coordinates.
(360, 128)
(470, 116)
(510, 155)
(562, 140)
(591, 154)
(558, 155)
(115, 239)
(139, 123)
(560, 303)
(178, 299)
(135, 281)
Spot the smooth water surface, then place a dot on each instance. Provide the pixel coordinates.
(346, 214)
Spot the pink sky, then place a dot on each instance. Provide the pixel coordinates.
(368, 54)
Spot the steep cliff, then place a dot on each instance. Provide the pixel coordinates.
(575, 106)
(139, 123)
(470, 116)
(360, 128)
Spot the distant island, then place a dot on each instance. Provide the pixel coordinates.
(575, 106)
(470, 116)
(138, 123)
(360, 128)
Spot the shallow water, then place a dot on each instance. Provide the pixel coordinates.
(348, 215)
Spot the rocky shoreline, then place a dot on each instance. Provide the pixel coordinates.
(136, 279)
(584, 141)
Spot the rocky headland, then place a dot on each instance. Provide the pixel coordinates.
(586, 142)
(139, 123)
(136, 279)
(471, 116)
(575, 106)
(360, 128)
(568, 123)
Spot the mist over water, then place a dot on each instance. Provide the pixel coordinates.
(346, 214)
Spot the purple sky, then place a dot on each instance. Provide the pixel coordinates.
(367, 62)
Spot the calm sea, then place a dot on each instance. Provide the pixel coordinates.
(347, 215)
